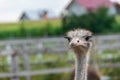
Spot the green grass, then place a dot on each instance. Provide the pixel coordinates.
(9, 26)
(31, 29)
(30, 24)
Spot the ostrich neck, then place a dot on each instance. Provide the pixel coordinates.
(81, 66)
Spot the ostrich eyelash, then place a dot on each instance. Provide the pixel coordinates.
(68, 38)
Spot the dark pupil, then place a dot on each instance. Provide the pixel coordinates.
(69, 39)
(87, 38)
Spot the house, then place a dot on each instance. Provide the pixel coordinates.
(117, 5)
(37, 15)
(80, 7)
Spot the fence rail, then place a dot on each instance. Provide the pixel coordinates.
(51, 71)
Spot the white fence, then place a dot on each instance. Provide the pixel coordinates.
(24, 47)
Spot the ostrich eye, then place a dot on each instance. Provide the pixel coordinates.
(88, 38)
(68, 38)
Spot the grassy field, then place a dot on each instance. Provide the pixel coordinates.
(30, 24)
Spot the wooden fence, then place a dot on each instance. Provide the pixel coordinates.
(25, 47)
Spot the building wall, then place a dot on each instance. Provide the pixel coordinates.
(112, 10)
(75, 8)
(117, 9)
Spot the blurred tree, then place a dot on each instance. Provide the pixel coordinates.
(98, 21)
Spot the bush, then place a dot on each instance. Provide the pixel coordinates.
(98, 21)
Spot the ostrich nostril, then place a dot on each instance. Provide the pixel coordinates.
(78, 41)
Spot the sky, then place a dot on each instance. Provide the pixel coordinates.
(10, 10)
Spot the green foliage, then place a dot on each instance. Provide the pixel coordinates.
(98, 22)
(112, 70)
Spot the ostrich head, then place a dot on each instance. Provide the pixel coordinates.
(80, 40)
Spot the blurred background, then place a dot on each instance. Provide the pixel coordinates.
(32, 46)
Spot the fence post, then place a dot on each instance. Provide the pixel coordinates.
(12, 61)
(14, 67)
(26, 64)
(25, 60)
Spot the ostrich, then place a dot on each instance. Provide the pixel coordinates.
(80, 41)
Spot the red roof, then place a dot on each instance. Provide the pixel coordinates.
(93, 4)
